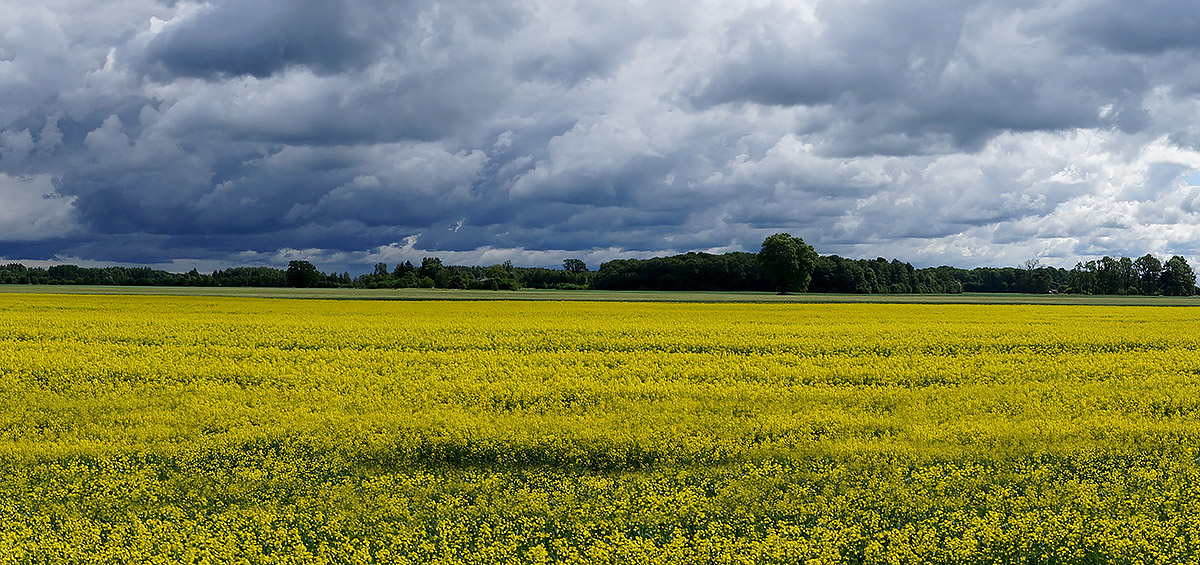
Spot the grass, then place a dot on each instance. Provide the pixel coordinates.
(605, 295)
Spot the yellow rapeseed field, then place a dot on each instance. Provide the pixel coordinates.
(223, 430)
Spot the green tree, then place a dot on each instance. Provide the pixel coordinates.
(432, 268)
(787, 262)
(1107, 281)
(403, 269)
(302, 274)
(1149, 272)
(1127, 279)
(502, 277)
(1030, 278)
(1082, 279)
(575, 266)
(1178, 278)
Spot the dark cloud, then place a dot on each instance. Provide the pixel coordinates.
(261, 38)
(922, 77)
(1152, 28)
(843, 53)
(937, 131)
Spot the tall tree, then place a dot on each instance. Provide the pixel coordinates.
(403, 269)
(1127, 279)
(575, 266)
(1031, 267)
(1178, 278)
(502, 277)
(787, 262)
(302, 274)
(1106, 275)
(1149, 272)
(432, 269)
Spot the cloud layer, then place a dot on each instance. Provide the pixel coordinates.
(940, 132)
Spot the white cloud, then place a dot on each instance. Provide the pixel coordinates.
(32, 212)
(408, 250)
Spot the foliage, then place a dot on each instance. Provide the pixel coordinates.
(1146, 275)
(16, 273)
(302, 274)
(560, 279)
(735, 271)
(574, 266)
(249, 276)
(1178, 278)
(690, 271)
(189, 429)
(879, 276)
(1149, 270)
(501, 277)
(787, 262)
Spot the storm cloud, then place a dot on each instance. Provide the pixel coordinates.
(346, 132)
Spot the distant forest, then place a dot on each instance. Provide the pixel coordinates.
(738, 271)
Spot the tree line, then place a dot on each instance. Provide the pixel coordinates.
(784, 263)
(430, 274)
(16, 273)
(791, 265)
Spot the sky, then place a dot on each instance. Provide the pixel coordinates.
(182, 134)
